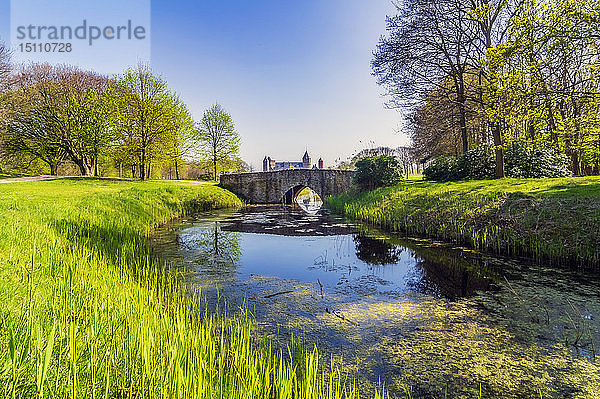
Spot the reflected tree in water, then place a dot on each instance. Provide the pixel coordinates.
(218, 251)
(376, 252)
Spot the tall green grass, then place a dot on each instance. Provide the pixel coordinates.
(552, 220)
(86, 312)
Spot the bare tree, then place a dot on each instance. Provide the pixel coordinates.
(427, 48)
(5, 67)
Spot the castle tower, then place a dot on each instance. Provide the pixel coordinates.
(320, 163)
(306, 161)
(265, 165)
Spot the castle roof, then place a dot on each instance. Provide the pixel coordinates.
(305, 155)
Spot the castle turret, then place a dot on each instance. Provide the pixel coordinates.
(265, 165)
(306, 161)
(320, 163)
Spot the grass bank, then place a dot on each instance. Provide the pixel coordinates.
(551, 220)
(86, 312)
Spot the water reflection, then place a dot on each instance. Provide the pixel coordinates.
(309, 201)
(376, 252)
(288, 244)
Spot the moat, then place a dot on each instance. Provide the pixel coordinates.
(419, 316)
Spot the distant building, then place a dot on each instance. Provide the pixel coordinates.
(270, 164)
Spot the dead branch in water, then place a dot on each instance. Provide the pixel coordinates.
(341, 316)
(277, 293)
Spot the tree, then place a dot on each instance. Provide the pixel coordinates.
(432, 60)
(435, 124)
(5, 68)
(58, 113)
(427, 49)
(181, 141)
(218, 138)
(145, 118)
(542, 82)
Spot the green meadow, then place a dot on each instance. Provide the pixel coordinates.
(87, 312)
(552, 220)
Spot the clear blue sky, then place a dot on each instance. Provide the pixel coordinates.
(294, 75)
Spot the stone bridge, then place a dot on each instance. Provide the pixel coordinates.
(281, 186)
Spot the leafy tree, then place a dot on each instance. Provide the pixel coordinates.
(496, 72)
(219, 139)
(57, 113)
(5, 68)
(180, 141)
(145, 115)
(379, 171)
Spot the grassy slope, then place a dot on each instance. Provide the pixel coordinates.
(84, 311)
(555, 220)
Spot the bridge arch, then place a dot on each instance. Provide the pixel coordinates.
(271, 187)
(290, 195)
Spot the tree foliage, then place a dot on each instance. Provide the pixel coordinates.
(58, 113)
(148, 116)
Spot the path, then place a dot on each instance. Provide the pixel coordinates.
(31, 178)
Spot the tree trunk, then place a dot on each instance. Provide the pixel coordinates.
(176, 170)
(143, 165)
(552, 124)
(84, 169)
(463, 123)
(120, 169)
(53, 168)
(575, 165)
(575, 158)
(215, 168)
(498, 150)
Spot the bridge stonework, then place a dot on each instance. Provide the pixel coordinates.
(270, 187)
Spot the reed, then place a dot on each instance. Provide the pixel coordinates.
(551, 220)
(87, 312)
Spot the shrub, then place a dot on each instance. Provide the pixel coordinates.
(521, 159)
(441, 169)
(476, 164)
(535, 160)
(374, 172)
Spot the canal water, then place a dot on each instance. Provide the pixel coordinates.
(418, 316)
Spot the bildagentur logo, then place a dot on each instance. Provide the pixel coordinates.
(86, 32)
